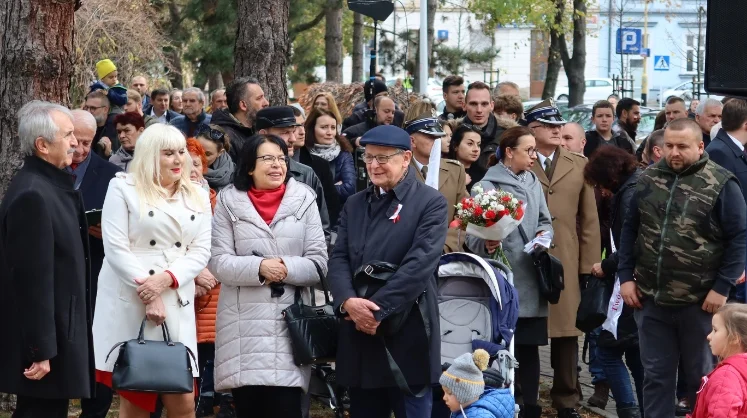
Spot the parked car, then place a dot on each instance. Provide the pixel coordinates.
(684, 91)
(581, 114)
(596, 89)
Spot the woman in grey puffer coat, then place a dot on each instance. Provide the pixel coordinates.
(513, 174)
(267, 238)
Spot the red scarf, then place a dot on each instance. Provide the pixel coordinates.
(266, 202)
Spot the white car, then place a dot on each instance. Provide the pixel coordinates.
(683, 91)
(596, 89)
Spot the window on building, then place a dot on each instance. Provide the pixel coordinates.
(695, 56)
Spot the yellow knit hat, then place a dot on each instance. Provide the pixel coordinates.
(104, 68)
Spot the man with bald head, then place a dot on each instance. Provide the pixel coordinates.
(573, 137)
(692, 211)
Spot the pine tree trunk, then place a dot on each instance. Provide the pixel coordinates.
(333, 41)
(36, 62)
(357, 47)
(262, 45)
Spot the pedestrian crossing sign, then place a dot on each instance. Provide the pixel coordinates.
(661, 63)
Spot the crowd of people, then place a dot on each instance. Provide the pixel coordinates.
(211, 214)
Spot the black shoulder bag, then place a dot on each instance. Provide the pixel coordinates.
(312, 329)
(367, 280)
(153, 366)
(549, 272)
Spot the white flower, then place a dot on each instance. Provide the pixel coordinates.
(500, 208)
(477, 188)
(515, 201)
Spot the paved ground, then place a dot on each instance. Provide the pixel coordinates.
(585, 377)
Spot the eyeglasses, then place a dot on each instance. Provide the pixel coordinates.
(272, 159)
(211, 133)
(381, 159)
(530, 151)
(90, 108)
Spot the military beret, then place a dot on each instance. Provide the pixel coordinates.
(387, 136)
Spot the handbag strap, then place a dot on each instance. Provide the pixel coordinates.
(523, 234)
(322, 280)
(399, 378)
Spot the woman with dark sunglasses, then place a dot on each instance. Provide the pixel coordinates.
(220, 166)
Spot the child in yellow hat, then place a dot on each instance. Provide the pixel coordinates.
(107, 74)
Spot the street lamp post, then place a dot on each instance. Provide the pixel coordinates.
(423, 74)
(644, 78)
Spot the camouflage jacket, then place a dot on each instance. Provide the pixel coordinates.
(679, 247)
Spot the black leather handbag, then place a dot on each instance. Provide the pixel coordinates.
(549, 272)
(313, 329)
(153, 366)
(595, 298)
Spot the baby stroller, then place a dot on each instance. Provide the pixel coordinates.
(478, 308)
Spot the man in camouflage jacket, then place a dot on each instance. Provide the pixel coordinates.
(681, 252)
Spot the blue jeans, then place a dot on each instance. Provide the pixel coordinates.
(618, 378)
(595, 367)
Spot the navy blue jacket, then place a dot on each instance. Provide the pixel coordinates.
(344, 171)
(93, 187)
(189, 128)
(724, 152)
(414, 243)
(170, 114)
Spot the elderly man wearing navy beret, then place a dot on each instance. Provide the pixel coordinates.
(400, 221)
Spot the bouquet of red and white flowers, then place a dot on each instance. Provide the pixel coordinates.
(490, 215)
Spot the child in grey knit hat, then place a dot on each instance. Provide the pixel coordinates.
(464, 389)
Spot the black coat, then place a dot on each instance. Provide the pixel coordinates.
(321, 169)
(45, 304)
(109, 130)
(94, 185)
(361, 112)
(490, 138)
(627, 330)
(415, 242)
(237, 133)
(594, 140)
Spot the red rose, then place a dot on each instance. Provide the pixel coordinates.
(519, 213)
(506, 198)
(489, 223)
(490, 214)
(504, 212)
(478, 211)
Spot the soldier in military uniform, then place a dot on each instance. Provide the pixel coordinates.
(570, 200)
(681, 252)
(446, 176)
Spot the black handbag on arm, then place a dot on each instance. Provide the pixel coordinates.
(367, 280)
(313, 329)
(549, 272)
(153, 366)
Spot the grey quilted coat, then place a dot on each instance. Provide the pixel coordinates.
(252, 346)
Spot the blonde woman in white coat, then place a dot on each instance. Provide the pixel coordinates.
(156, 231)
(267, 236)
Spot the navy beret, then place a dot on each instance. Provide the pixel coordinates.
(387, 136)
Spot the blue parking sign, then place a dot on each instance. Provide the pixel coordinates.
(629, 41)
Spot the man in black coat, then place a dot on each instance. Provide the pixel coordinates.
(402, 221)
(728, 151)
(92, 175)
(46, 353)
(245, 98)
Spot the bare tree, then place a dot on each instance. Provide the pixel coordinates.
(357, 47)
(559, 53)
(333, 41)
(36, 62)
(262, 45)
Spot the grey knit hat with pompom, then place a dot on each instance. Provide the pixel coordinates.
(464, 377)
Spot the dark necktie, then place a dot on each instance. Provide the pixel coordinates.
(548, 164)
(424, 171)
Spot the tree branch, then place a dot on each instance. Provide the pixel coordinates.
(293, 32)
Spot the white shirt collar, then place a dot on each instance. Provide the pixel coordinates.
(418, 165)
(542, 159)
(736, 141)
